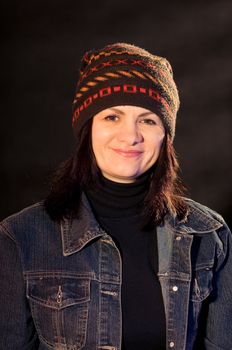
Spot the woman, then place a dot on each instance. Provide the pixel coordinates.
(116, 257)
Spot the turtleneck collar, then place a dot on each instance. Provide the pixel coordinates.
(114, 199)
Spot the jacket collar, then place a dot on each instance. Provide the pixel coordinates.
(76, 233)
(199, 219)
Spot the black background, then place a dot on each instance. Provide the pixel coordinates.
(42, 44)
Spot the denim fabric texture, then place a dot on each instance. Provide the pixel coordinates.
(61, 283)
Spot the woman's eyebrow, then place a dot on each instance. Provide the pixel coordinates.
(144, 114)
(116, 110)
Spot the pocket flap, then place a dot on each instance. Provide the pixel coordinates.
(58, 292)
(201, 283)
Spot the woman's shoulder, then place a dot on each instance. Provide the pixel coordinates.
(26, 220)
(202, 209)
(201, 219)
(29, 211)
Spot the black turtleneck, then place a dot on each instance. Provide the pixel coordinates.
(118, 209)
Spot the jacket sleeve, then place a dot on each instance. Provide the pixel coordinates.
(219, 320)
(16, 325)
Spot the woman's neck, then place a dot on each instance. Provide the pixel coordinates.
(114, 199)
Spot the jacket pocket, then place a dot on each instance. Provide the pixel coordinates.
(60, 310)
(201, 284)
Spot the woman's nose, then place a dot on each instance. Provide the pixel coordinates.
(130, 134)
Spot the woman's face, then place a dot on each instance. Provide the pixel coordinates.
(126, 141)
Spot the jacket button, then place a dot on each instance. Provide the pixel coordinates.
(171, 344)
(178, 238)
(175, 288)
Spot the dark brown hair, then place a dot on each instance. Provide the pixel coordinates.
(80, 170)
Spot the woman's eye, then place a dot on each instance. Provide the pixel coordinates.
(112, 118)
(148, 121)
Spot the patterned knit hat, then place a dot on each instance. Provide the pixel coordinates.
(124, 74)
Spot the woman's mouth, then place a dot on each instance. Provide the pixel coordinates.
(127, 153)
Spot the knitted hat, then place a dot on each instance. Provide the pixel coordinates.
(124, 74)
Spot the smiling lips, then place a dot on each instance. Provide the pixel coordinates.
(127, 153)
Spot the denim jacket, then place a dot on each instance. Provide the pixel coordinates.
(61, 283)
